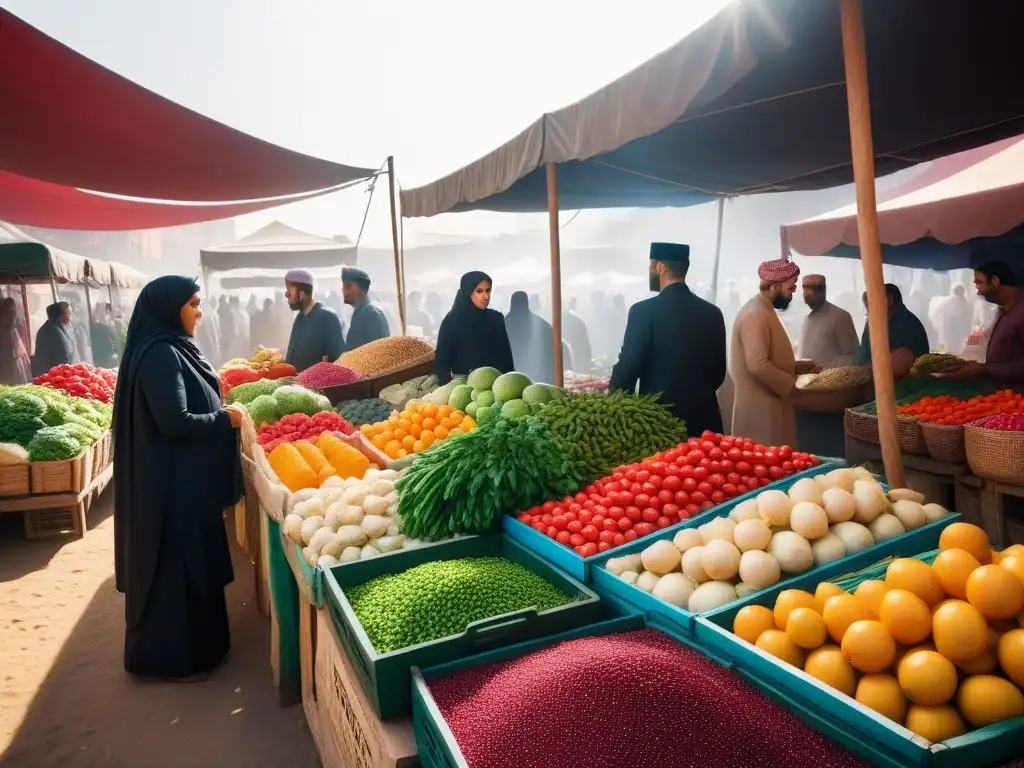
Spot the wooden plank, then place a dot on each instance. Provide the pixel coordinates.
(57, 500)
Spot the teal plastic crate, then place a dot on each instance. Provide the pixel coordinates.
(434, 739)
(866, 733)
(385, 676)
(582, 567)
(439, 749)
(607, 584)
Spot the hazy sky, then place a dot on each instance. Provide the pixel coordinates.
(436, 84)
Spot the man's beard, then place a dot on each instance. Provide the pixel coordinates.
(781, 301)
(815, 303)
(295, 306)
(990, 297)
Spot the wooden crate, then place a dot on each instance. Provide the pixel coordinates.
(350, 733)
(307, 670)
(102, 453)
(15, 479)
(70, 476)
(59, 513)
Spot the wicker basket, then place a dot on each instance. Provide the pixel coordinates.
(945, 442)
(828, 400)
(995, 454)
(910, 435)
(863, 426)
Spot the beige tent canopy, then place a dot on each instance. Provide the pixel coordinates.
(279, 246)
(123, 276)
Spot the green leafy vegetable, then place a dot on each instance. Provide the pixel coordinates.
(53, 444)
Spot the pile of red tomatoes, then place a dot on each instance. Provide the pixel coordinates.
(663, 490)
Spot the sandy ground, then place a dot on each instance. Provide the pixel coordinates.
(66, 701)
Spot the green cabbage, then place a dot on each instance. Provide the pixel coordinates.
(53, 444)
(264, 410)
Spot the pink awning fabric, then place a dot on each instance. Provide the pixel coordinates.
(65, 119)
(977, 193)
(39, 204)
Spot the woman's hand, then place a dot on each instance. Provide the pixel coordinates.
(237, 413)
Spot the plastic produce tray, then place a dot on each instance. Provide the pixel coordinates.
(606, 583)
(439, 749)
(385, 676)
(582, 567)
(864, 732)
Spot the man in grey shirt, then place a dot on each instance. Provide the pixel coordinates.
(316, 333)
(828, 336)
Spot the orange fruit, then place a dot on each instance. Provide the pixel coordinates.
(450, 422)
(1014, 550)
(906, 616)
(401, 434)
(883, 694)
(1010, 652)
(379, 442)
(927, 677)
(415, 430)
(936, 723)
(840, 612)
(417, 446)
(953, 567)
(987, 699)
(1015, 565)
(408, 441)
(416, 418)
(996, 592)
(392, 447)
(427, 438)
(871, 592)
(751, 621)
(983, 664)
(404, 422)
(387, 435)
(401, 453)
(444, 410)
(429, 410)
(869, 647)
(429, 423)
(968, 537)
(777, 643)
(806, 628)
(440, 432)
(789, 600)
(456, 431)
(959, 631)
(917, 577)
(828, 665)
(903, 651)
(468, 423)
(366, 429)
(823, 592)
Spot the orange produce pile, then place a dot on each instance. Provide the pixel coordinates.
(938, 648)
(946, 409)
(416, 428)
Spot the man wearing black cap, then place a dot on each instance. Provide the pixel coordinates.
(368, 320)
(675, 344)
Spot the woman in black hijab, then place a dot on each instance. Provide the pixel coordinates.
(471, 335)
(178, 468)
(55, 343)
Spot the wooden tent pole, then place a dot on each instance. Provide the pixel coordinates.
(399, 277)
(862, 150)
(718, 251)
(556, 271)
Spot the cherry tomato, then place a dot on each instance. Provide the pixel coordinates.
(751, 483)
(716, 454)
(700, 474)
(707, 434)
(548, 506)
(626, 499)
(577, 539)
(799, 465)
(642, 500)
(631, 475)
(650, 489)
(551, 532)
(563, 537)
(643, 476)
(658, 468)
(706, 488)
(666, 496)
(630, 535)
(771, 458)
(698, 498)
(706, 506)
(624, 523)
(743, 467)
(785, 452)
(597, 521)
(656, 503)
(671, 511)
(589, 532)
(763, 481)
(580, 497)
(664, 522)
(689, 485)
(539, 526)
(727, 466)
(524, 517)
(776, 473)
(586, 517)
(681, 498)
(642, 529)
(672, 483)
(691, 510)
(633, 514)
(733, 477)
(610, 524)
(694, 457)
(574, 526)
(559, 522)
(589, 549)
(603, 546)
(579, 550)
(716, 480)
(619, 540)
(569, 516)
(685, 471)
(656, 481)
(734, 454)
(650, 515)
(760, 471)
(607, 536)
(717, 497)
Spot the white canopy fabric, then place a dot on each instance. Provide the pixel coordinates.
(279, 246)
(123, 276)
(38, 261)
(977, 193)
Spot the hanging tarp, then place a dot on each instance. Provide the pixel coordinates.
(937, 219)
(69, 121)
(123, 276)
(26, 258)
(35, 203)
(755, 101)
(279, 246)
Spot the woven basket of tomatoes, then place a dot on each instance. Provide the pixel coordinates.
(995, 448)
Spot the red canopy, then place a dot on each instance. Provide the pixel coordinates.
(67, 120)
(39, 204)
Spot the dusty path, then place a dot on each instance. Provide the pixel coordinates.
(66, 701)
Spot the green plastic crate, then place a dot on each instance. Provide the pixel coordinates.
(434, 739)
(385, 676)
(863, 731)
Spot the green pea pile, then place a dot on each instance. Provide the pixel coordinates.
(441, 598)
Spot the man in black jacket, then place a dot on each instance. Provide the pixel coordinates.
(675, 344)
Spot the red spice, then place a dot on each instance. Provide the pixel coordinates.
(322, 375)
(299, 426)
(635, 699)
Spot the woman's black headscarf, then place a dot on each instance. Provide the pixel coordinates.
(140, 482)
(467, 312)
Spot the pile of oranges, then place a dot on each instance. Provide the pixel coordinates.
(416, 428)
(946, 409)
(937, 648)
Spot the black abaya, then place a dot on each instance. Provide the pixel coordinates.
(177, 468)
(469, 337)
